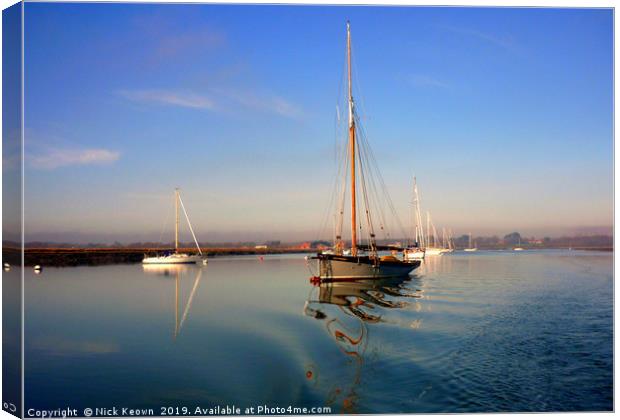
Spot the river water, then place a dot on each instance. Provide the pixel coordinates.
(467, 332)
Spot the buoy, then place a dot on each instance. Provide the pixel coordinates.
(7, 267)
(37, 269)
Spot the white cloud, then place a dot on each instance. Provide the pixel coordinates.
(265, 102)
(219, 99)
(169, 97)
(424, 80)
(56, 158)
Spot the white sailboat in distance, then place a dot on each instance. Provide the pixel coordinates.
(518, 248)
(472, 246)
(417, 250)
(177, 257)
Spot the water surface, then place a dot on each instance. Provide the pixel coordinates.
(470, 332)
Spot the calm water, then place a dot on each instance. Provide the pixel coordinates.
(490, 331)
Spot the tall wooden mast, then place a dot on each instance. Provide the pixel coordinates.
(352, 149)
(176, 220)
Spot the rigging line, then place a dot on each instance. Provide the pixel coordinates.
(367, 207)
(342, 172)
(332, 202)
(363, 158)
(334, 189)
(385, 190)
(161, 234)
(345, 179)
(363, 108)
(189, 224)
(364, 153)
(328, 210)
(384, 222)
(367, 149)
(337, 151)
(358, 84)
(339, 101)
(386, 200)
(326, 213)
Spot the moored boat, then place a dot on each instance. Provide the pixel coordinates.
(472, 245)
(360, 261)
(177, 257)
(518, 248)
(417, 251)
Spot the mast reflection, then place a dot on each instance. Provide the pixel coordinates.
(177, 271)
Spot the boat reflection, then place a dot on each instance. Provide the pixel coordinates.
(361, 298)
(178, 271)
(362, 302)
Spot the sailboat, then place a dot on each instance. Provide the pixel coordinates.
(518, 248)
(417, 251)
(434, 249)
(360, 261)
(472, 247)
(177, 257)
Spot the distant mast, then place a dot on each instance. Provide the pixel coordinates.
(176, 223)
(352, 149)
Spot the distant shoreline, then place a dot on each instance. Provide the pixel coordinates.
(69, 257)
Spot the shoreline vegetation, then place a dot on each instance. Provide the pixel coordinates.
(67, 254)
(66, 257)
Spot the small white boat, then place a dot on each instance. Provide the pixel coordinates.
(472, 247)
(518, 248)
(177, 257)
(414, 254)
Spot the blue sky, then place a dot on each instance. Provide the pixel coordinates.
(504, 115)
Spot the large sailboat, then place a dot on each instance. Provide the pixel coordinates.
(177, 257)
(360, 261)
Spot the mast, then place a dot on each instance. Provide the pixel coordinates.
(352, 149)
(428, 229)
(176, 224)
(418, 214)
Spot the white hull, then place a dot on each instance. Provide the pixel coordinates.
(414, 255)
(470, 249)
(175, 259)
(517, 249)
(436, 251)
